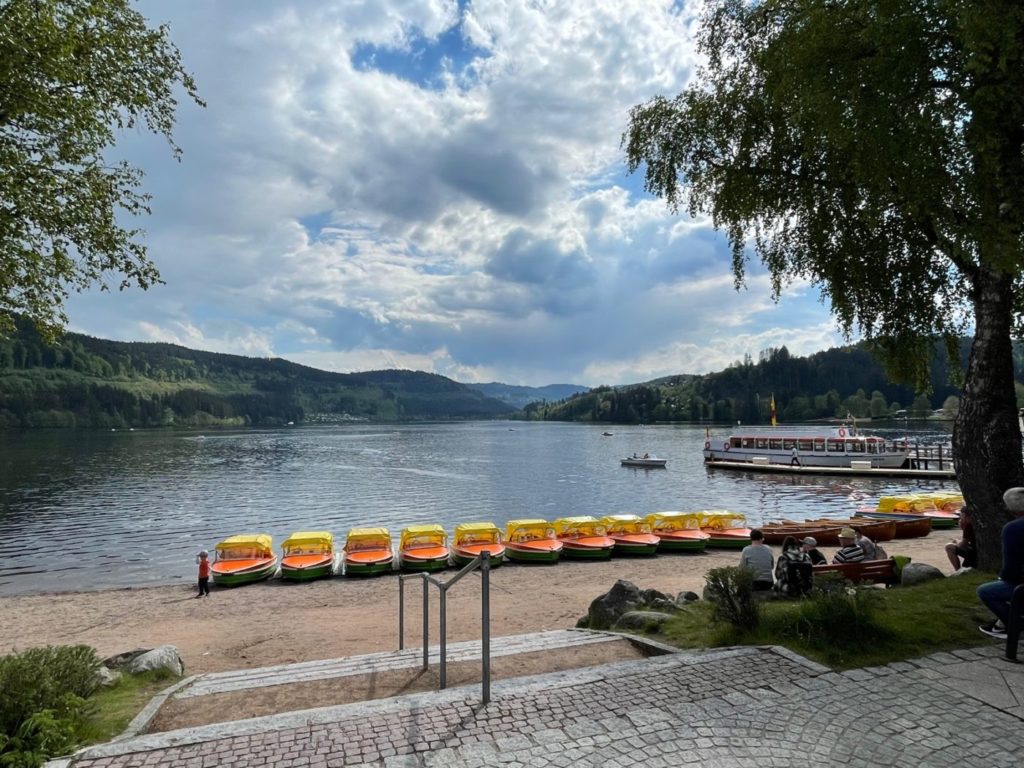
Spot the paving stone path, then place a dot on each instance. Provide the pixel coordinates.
(737, 707)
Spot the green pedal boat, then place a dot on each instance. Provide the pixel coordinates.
(584, 538)
(368, 552)
(243, 559)
(532, 541)
(308, 555)
(678, 531)
(631, 534)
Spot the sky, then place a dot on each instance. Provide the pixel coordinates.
(435, 185)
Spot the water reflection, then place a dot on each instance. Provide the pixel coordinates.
(96, 509)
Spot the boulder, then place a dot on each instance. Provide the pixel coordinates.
(919, 573)
(663, 605)
(643, 621)
(119, 660)
(106, 676)
(164, 657)
(687, 597)
(648, 596)
(605, 610)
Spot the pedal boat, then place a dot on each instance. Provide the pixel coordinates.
(308, 555)
(678, 531)
(632, 535)
(368, 552)
(423, 548)
(942, 510)
(243, 559)
(584, 538)
(532, 541)
(473, 539)
(728, 530)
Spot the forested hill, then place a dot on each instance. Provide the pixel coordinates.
(520, 396)
(833, 383)
(83, 381)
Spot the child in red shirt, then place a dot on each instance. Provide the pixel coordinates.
(203, 558)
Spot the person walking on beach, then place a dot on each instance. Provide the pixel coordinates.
(203, 559)
(758, 557)
(996, 594)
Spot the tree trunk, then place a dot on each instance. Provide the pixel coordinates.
(986, 435)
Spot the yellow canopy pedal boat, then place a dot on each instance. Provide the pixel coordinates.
(307, 555)
(631, 534)
(423, 548)
(728, 530)
(678, 531)
(473, 539)
(243, 559)
(368, 552)
(532, 541)
(584, 537)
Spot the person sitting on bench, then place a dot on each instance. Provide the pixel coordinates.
(849, 551)
(996, 595)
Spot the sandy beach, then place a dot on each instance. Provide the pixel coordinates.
(275, 622)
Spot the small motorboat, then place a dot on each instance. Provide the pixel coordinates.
(532, 541)
(473, 539)
(368, 552)
(678, 531)
(606, 434)
(423, 548)
(728, 530)
(646, 460)
(243, 559)
(308, 555)
(584, 537)
(631, 534)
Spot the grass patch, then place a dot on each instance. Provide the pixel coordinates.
(112, 708)
(907, 622)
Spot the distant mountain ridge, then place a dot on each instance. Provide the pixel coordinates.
(84, 381)
(520, 396)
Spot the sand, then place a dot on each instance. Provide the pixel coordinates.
(275, 622)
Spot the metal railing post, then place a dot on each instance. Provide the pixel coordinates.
(401, 613)
(444, 638)
(485, 629)
(426, 625)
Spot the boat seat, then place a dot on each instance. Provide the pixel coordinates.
(1015, 625)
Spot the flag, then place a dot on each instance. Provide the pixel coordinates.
(773, 409)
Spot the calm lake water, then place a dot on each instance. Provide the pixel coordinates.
(85, 510)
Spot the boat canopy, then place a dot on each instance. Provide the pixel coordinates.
(477, 533)
(530, 529)
(316, 541)
(367, 538)
(673, 521)
(722, 520)
(422, 534)
(584, 525)
(260, 543)
(625, 524)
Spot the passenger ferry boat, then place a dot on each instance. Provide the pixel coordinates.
(838, 446)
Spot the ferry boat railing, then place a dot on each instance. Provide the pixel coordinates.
(481, 562)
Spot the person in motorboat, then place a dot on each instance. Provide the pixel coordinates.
(758, 557)
(810, 548)
(848, 552)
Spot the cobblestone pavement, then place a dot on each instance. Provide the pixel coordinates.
(729, 707)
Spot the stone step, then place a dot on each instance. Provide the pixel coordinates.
(410, 658)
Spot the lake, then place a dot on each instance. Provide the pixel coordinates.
(93, 509)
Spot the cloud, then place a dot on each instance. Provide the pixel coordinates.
(436, 185)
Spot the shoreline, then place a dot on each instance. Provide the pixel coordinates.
(277, 622)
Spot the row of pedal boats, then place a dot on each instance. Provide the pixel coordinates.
(370, 551)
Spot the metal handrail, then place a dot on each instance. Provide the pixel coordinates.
(481, 561)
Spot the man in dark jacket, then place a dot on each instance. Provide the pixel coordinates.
(996, 594)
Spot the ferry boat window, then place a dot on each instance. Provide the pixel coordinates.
(855, 446)
(819, 444)
(762, 442)
(835, 446)
(789, 444)
(748, 442)
(775, 444)
(734, 442)
(872, 446)
(806, 445)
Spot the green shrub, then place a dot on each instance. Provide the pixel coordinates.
(43, 702)
(836, 615)
(731, 594)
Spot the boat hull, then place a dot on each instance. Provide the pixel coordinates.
(542, 551)
(467, 553)
(683, 541)
(645, 463)
(367, 564)
(229, 574)
(636, 544)
(734, 538)
(422, 559)
(306, 569)
(588, 547)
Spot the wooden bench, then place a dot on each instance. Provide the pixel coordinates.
(1016, 623)
(874, 571)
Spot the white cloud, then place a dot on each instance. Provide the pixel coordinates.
(342, 204)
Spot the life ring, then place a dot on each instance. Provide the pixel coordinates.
(725, 446)
(842, 432)
(707, 445)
